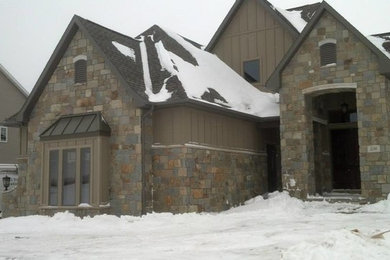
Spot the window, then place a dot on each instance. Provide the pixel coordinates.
(53, 177)
(85, 172)
(3, 134)
(328, 52)
(69, 194)
(75, 161)
(80, 69)
(252, 71)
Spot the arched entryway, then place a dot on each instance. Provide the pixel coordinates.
(335, 138)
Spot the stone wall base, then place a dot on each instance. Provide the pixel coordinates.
(190, 179)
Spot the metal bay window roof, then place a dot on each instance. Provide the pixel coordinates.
(74, 126)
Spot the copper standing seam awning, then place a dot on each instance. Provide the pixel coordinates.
(75, 126)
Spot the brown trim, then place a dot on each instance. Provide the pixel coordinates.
(216, 109)
(274, 81)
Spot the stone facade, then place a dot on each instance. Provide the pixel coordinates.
(356, 64)
(190, 179)
(176, 180)
(102, 92)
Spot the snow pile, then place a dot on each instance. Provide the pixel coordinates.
(382, 206)
(378, 42)
(127, 51)
(294, 17)
(211, 73)
(277, 203)
(343, 244)
(280, 227)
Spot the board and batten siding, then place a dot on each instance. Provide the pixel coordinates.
(181, 125)
(253, 33)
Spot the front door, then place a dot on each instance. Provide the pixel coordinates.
(345, 155)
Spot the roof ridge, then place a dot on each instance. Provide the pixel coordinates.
(302, 6)
(380, 34)
(106, 28)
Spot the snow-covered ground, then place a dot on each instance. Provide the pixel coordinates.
(280, 227)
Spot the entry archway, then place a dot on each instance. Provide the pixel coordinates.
(335, 137)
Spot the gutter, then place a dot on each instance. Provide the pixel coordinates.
(143, 163)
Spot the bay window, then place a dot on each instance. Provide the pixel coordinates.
(75, 152)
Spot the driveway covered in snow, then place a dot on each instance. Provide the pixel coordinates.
(280, 227)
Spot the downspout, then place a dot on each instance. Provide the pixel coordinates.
(143, 163)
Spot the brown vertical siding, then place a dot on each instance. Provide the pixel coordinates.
(253, 33)
(182, 125)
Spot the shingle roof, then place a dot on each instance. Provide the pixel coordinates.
(382, 42)
(307, 11)
(131, 71)
(73, 126)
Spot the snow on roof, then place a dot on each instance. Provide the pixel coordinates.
(210, 76)
(378, 42)
(127, 51)
(294, 17)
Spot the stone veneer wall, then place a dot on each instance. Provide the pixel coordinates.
(189, 179)
(102, 92)
(355, 64)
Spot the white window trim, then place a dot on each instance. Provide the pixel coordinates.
(325, 41)
(79, 57)
(6, 134)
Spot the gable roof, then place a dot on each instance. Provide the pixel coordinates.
(154, 69)
(13, 81)
(95, 33)
(274, 81)
(267, 6)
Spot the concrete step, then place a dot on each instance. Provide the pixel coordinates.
(347, 196)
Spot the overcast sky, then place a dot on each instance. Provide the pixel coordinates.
(31, 29)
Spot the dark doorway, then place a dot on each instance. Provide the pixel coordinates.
(345, 158)
(272, 168)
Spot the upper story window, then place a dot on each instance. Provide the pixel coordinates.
(252, 71)
(328, 52)
(3, 134)
(80, 69)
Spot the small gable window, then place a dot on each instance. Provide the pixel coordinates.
(80, 69)
(252, 71)
(328, 52)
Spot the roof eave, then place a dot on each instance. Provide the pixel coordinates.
(24, 113)
(214, 108)
(14, 81)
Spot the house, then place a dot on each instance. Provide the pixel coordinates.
(333, 85)
(125, 125)
(12, 98)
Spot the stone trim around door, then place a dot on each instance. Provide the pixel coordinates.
(330, 88)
